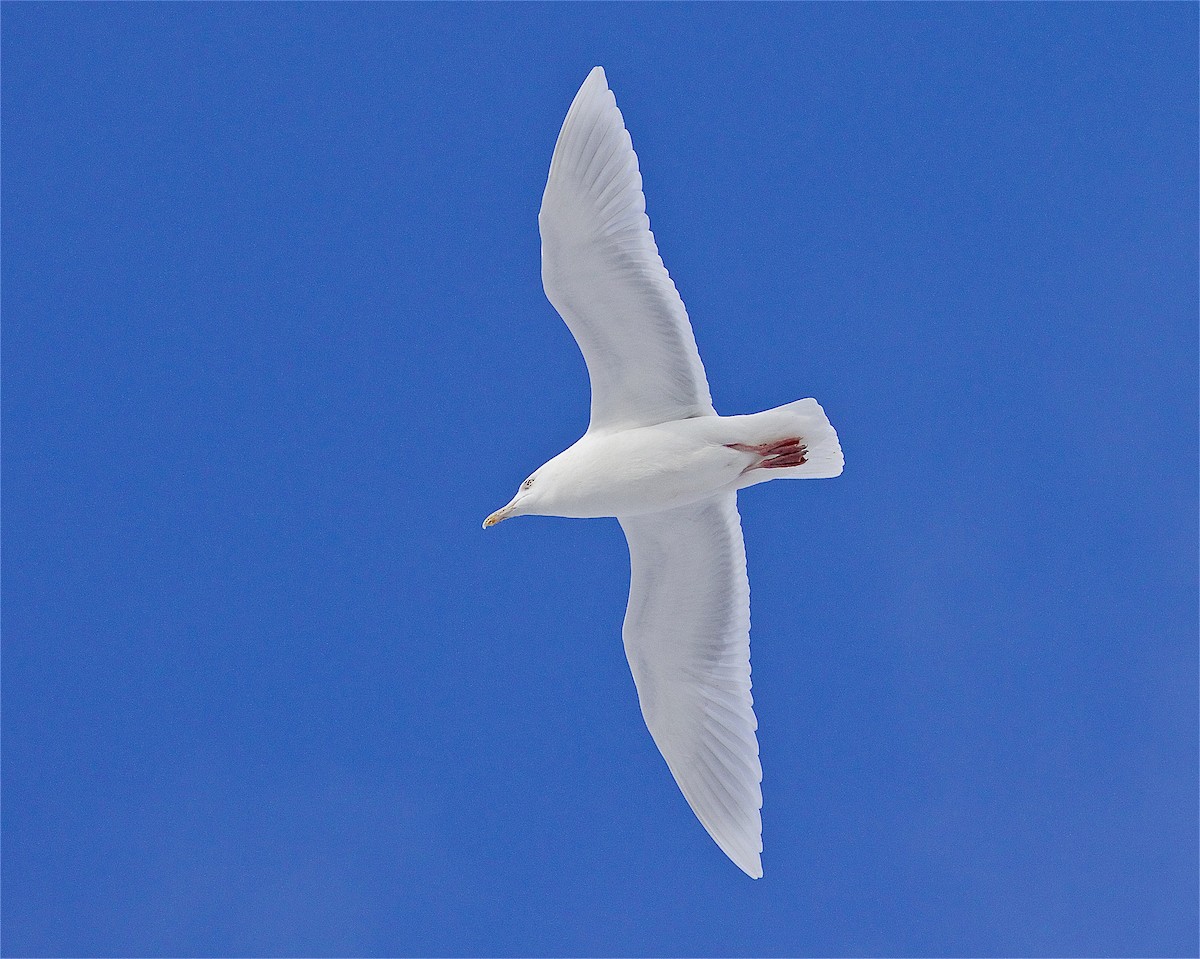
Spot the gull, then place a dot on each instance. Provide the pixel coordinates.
(658, 457)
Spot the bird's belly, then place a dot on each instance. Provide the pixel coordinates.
(649, 469)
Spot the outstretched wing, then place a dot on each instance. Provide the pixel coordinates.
(687, 637)
(602, 272)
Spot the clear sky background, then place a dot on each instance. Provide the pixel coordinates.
(274, 344)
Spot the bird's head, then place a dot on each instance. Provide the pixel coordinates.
(525, 502)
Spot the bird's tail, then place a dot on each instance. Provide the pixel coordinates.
(797, 442)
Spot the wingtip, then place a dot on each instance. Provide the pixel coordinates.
(753, 868)
(742, 855)
(597, 76)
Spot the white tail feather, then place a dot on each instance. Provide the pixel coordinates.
(804, 419)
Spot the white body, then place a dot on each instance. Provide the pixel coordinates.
(652, 468)
(658, 457)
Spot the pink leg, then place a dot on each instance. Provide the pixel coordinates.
(777, 455)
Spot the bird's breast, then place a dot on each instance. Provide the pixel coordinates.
(644, 470)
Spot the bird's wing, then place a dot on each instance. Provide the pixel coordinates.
(602, 272)
(687, 637)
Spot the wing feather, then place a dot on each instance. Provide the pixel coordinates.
(687, 638)
(602, 271)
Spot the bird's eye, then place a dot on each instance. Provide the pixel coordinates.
(528, 483)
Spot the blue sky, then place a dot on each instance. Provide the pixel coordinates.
(274, 343)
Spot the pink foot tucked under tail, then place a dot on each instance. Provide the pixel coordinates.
(776, 455)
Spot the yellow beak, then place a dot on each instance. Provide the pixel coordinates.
(496, 517)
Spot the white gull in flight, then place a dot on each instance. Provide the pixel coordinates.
(658, 457)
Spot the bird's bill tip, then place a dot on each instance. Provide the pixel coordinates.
(496, 517)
